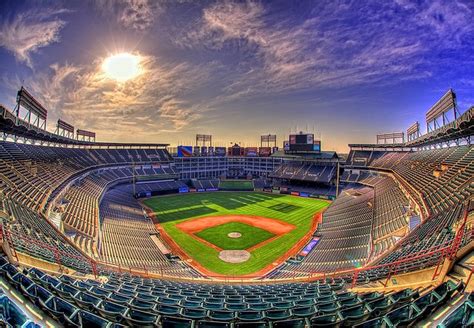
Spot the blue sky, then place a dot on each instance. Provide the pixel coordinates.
(239, 69)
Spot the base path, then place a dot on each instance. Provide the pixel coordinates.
(274, 226)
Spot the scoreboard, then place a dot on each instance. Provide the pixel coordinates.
(304, 142)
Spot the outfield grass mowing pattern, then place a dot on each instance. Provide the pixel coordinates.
(218, 235)
(174, 209)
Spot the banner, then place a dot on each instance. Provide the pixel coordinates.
(264, 151)
(220, 151)
(251, 151)
(309, 247)
(185, 151)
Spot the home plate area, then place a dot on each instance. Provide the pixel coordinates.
(234, 256)
(235, 236)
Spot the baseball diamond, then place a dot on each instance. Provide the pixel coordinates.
(271, 226)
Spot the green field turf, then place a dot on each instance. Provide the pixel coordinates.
(174, 209)
(218, 235)
(236, 185)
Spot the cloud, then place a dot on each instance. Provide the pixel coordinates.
(135, 14)
(152, 104)
(333, 45)
(26, 32)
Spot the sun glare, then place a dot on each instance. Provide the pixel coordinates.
(122, 67)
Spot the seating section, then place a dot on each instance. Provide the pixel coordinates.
(11, 315)
(141, 302)
(462, 316)
(305, 172)
(32, 235)
(29, 173)
(130, 239)
(262, 183)
(344, 236)
(158, 186)
(390, 215)
(205, 184)
(442, 176)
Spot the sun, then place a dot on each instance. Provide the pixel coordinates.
(122, 67)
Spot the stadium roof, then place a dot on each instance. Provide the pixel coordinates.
(8, 125)
(462, 127)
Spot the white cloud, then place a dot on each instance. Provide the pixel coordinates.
(333, 46)
(26, 32)
(136, 14)
(152, 104)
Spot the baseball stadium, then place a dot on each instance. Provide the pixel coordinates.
(286, 230)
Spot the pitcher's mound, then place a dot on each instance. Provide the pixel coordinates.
(234, 235)
(234, 256)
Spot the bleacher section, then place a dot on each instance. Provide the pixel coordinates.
(439, 180)
(158, 186)
(345, 236)
(135, 301)
(205, 184)
(305, 171)
(31, 173)
(129, 238)
(32, 235)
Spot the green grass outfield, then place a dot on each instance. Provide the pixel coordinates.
(174, 209)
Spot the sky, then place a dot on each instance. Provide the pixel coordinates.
(345, 70)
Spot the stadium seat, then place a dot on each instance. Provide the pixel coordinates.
(86, 301)
(463, 316)
(304, 311)
(248, 315)
(221, 315)
(278, 314)
(176, 322)
(405, 316)
(193, 313)
(111, 311)
(58, 308)
(212, 324)
(140, 318)
(85, 319)
(291, 323)
(326, 320)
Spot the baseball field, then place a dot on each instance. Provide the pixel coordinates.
(235, 233)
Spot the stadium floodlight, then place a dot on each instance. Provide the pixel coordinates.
(64, 129)
(268, 140)
(394, 138)
(33, 107)
(85, 135)
(441, 110)
(203, 140)
(413, 132)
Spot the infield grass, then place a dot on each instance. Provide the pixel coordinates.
(174, 209)
(218, 235)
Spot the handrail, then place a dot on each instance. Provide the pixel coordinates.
(445, 251)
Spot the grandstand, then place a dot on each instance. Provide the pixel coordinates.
(81, 247)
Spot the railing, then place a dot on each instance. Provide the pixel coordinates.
(437, 255)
